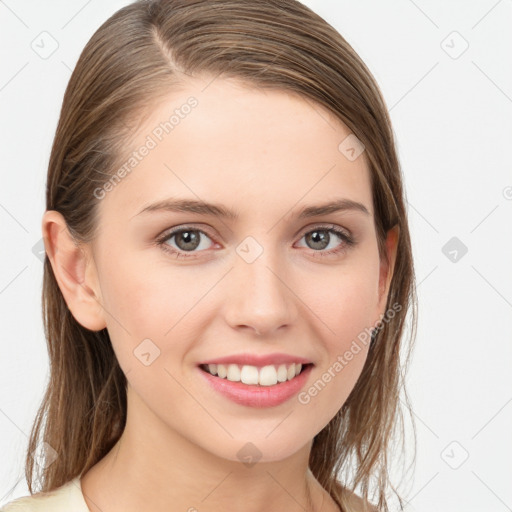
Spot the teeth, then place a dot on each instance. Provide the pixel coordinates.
(282, 373)
(222, 371)
(233, 373)
(249, 374)
(268, 375)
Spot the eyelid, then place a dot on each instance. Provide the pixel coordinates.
(307, 229)
(326, 226)
(184, 227)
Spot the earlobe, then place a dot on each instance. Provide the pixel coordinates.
(387, 265)
(73, 269)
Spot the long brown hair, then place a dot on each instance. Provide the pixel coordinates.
(142, 52)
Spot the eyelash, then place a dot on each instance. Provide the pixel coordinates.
(348, 241)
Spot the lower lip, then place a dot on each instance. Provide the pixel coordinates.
(256, 395)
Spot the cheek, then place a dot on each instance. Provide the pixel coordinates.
(346, 298)
(152, 302)
(353, 308)
(347, 311)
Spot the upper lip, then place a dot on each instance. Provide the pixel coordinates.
(258, 360)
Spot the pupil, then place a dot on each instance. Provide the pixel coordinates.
(190, 239)
(320, 237)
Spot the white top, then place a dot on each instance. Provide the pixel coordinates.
(67, 498)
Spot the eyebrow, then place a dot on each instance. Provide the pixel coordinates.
(218, 210)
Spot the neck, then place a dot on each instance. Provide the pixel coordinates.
(164, 471)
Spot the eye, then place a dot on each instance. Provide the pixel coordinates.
(322, 238)
(187, 239)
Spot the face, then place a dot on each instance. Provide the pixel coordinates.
(259, 279)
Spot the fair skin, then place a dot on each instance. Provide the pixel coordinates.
(265, 155)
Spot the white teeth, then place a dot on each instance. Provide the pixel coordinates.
(233, 373)
(222, 371)
(282, 373)
(249, 374)
(268, 375)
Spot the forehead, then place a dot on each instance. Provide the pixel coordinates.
(258, 150)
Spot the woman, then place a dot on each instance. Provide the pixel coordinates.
(228, 269)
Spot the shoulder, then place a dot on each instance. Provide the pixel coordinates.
(357, 504)
(67, 498)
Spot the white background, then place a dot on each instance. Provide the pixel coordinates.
(453, 121)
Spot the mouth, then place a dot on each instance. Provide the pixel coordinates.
(268, 375)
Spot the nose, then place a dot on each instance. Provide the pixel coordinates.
(260, 296)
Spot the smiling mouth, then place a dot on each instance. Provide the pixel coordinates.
(268, 375)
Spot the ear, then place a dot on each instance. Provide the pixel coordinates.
(387, 266)
(74, 270)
